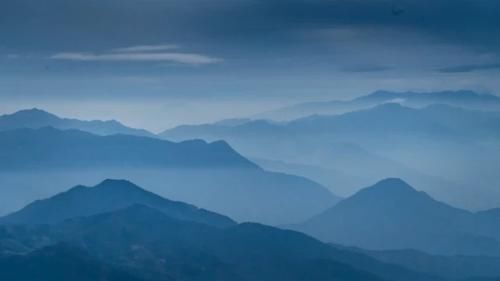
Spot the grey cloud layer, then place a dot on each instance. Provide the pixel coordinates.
(150, 53)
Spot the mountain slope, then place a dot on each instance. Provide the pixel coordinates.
(393, 215)
(58, 263)
(107, 196)
(152, 245)
(36, 118)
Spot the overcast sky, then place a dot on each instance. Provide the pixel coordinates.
(158, 63)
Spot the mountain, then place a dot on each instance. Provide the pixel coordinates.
(210, 175)
(147, 243)
(58, 263)
(461, 98)
(440, 148)
(407, 121)
(151, 245)
(36, 118)
(438, 119)
(107, 196)
(393, 215)
(52, 148)
(441, 121)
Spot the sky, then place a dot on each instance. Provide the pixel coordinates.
(159, 63)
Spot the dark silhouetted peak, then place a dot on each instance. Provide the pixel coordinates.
(108, 196)
(115, 187)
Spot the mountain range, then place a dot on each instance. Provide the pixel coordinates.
(36, 118)
(460, 98)
(210, 175)
(432, 147)
(391, 215)
(438, 120)
(442, 149)
(167, 240)
(389, 231)
(144, 243)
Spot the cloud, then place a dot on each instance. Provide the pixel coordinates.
(139, 54)
(470, 68)
(146, 48)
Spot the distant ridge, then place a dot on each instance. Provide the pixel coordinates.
(392, 117)
(461, 98)
(36, 118)
(452, 97)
